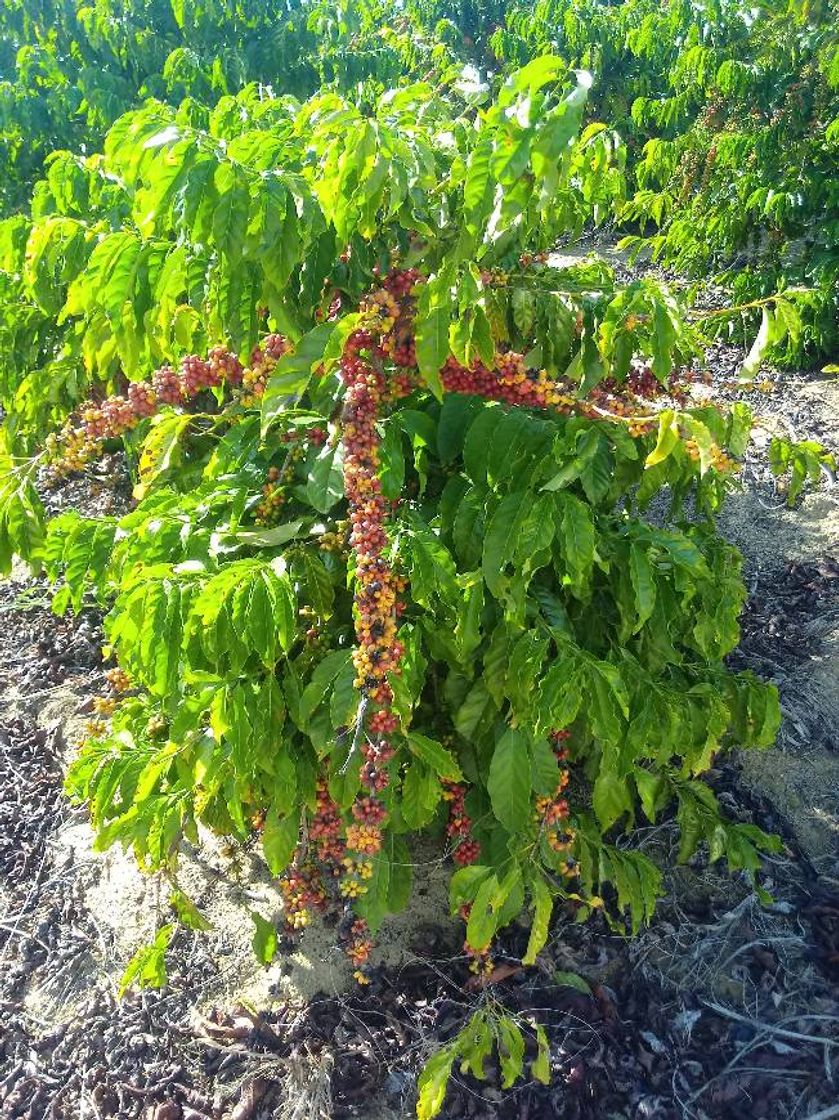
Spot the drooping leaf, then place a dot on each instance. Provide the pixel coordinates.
(509, 783)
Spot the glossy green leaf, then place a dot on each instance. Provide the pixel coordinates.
(509, 783)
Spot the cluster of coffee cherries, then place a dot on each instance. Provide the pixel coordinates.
(527, 259)
(104, 707)
(273, 497)
(274, 493)
(378, 752)
(512, 382)
(303, 895)
(629, 400)
(364, 835)
(719, 460)
(334, 540)
(316, 861)
(459, 827)
(377, 586)
(391, 312)
(346, 849)
(118, 680)
(333, 854)
(96, 728)
(81, 438)
(325, 827)
(355, 876)
(509, 381)
(358, 946)
(263, 359)
(552, 812)
(466, 850)
(377, 602)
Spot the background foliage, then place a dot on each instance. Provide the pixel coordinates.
(729, 114)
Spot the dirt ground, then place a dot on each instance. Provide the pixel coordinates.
(724, 1008)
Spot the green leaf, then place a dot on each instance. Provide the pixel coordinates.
(441, 760)
(390, 884)
(146, 626)
(456, 415)
(248, 608)
(479, 441)
(545, 768)
(230, 217)
(652, 790)
(161, 447)
(279, 839)
(421, 794)
(577, 539)
(502, 540)
(477, 187)
(476, 1041)
(270, 538)
(485, 915)
(293, 372)
(572, 980)
(317, 583)
(392, 461)
(465, 883)
(264, 939)
(509, 784)
(325, 485)
(147, 967)
(433, 315)
(434, 1079)
(540, 1067)
(542, 908)
(668, 438)
(611, 798)
(188, 913)
(642, 584)
(431, 567)
(319, 687)
(473, 710)
(763, 339)
(510, 1050)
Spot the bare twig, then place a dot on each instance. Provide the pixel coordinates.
(767, 1028)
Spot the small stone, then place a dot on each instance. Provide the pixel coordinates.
(169, 1110)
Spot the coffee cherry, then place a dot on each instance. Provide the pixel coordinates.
(167, 386)
(364, 838)
(369, 811)
(142, 399)
(303, 892)
(467, 851)
(195, 375)
(118, 679)
(224, 367)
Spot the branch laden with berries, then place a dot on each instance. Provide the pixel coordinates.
(388, 572)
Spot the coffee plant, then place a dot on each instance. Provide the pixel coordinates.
(731, 115)
(423, 539)
(68, 71)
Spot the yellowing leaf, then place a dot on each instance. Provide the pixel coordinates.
(161, 447)
(668, 438)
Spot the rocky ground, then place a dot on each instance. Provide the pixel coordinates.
(723, 1009)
